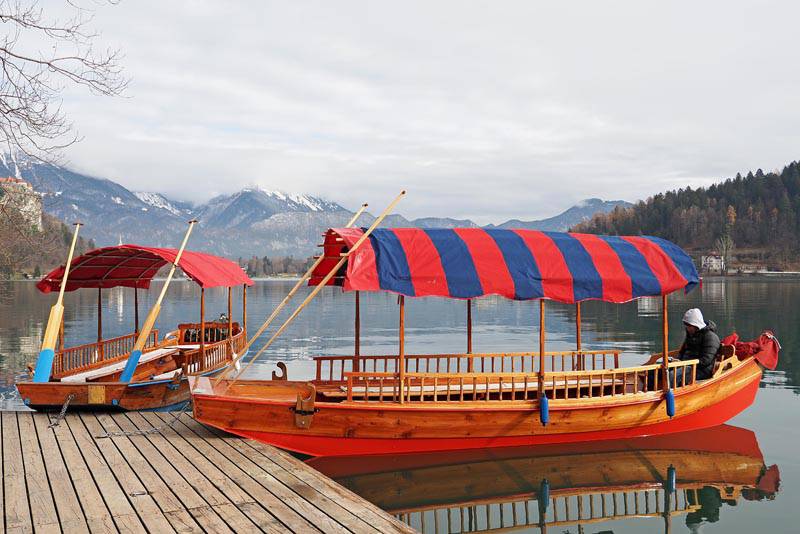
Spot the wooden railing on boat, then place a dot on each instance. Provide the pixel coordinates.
(81, 357)
(334, 368)
(214, 332)
(519, 387)
(214, 355)
(564, 509)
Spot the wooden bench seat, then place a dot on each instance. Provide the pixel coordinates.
(118, 366)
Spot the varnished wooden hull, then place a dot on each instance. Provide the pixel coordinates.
(262, 410)
(50, 396)
(721, 456)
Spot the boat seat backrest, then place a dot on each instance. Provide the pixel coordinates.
(725, 352)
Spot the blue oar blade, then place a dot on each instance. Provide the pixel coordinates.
(44, 366)
(130, 366)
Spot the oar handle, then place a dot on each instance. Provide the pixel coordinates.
(322, 283)
(149, 322)
(57, 311)
(69, 260)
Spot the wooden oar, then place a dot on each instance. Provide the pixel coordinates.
(144, 333)
(322, 284)
(44, 364)
(283, 303)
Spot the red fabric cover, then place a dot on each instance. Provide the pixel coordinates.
(135, 266)
(487, 256)
(731, 339)
(616, 283)
(765, 348)
(413, 265)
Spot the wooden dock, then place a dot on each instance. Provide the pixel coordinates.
(184, 477)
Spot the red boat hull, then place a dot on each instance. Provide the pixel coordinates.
(716, 408)
(714, 415)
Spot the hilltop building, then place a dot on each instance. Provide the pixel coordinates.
(713, 263)
(18, 195)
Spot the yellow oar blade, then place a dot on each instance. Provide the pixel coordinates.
(53, 326)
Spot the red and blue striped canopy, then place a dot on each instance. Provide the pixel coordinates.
(516, 264)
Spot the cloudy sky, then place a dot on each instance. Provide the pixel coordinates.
(486, 110)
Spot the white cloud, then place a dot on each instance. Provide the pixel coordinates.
(480, 110)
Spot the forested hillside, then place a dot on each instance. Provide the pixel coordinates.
(25, 251)
(754, 217)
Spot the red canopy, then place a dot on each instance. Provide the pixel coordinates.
(135, 266)
(516, 264)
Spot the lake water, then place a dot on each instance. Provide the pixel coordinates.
(726, 481)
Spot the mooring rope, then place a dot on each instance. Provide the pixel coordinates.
(147, 431)
(63, 412)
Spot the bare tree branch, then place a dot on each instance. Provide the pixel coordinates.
(31, 81)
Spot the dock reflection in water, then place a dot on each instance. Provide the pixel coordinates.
(688, 477)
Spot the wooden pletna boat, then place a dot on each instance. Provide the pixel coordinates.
(563, 485)
(372, 404)
(99, 374)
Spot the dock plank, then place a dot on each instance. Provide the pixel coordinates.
(383, 521)
(215, 498)
(98, 516)
(285, 513)
(236, 449)
(287, 494)
(43, 508)
(185, 494)
(258, 514)
(16, 509)
(144, 504)
(125, 517)
(179, 476)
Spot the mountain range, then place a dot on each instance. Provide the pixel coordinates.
(252, 221)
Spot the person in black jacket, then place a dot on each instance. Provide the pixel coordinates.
(701, 343)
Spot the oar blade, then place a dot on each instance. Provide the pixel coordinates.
(44, 364)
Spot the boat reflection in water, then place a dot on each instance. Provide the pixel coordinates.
(690, 474)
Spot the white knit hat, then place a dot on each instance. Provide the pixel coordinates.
(694, 317)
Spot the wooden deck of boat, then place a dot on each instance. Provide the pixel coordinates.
(183, 478)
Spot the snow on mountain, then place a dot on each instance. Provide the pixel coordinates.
(253, 204)
(253, 221)
(159, 201)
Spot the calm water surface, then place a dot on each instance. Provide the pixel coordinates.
(729, 488)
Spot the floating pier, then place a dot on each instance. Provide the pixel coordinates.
(168, 473)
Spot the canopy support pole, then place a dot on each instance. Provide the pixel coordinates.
(357, 332)
(544, 405)
(578, 334)
(665, 334)
(244, 309)
(470, 362)
(230, 312)
(401, 358)
(100, 324)
(135, 310)
(541, 341)
(202, 323)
